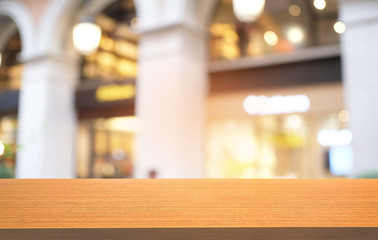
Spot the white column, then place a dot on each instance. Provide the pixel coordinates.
(171, 99)
(47, 121)
(360, 70)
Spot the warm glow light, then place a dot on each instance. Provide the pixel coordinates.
(2, 148)
(1, 57)
(320, 4)
(242, 148)
(295, 35)
(248, 10)
(295, 10)
(229, 50)
(86, 37)
(293, 122)
(107, 44)
(271, 38)
(327, 137)
(127, 124)
(115, 92)
(108, 169)
(126, 68)
(263, 105)
(344, 116)
(339, 27)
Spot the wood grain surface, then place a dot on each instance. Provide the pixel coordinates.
(137, 203)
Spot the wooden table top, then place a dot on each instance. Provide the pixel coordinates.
(138, 203)
(188, 204)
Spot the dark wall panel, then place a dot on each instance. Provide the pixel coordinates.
(300, 73)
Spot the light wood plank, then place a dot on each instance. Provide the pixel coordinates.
(137, 203)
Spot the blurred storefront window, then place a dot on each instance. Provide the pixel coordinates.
(283, 146)
(10, 80)
(105, 96)
(106, 147)
(255, 130)
(283, 27)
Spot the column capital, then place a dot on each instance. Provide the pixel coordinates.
(65, 58)
(59, 69)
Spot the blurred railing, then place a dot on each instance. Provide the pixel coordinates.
(189, 209)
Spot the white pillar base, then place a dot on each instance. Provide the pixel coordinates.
(47, 120)
(171, 101)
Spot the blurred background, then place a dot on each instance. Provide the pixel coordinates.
(188, 88)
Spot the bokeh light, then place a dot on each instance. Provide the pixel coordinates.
(339, 27)
(271, 38)
(295, 35)
(320, 4)
(295, 10)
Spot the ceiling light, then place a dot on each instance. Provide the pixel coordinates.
(86, 36)
(320, 4)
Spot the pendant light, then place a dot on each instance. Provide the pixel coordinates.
(86, 36)
(248, 10)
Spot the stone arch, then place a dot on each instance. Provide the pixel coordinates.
(24, 21)
(53, 22)
(58, 17)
